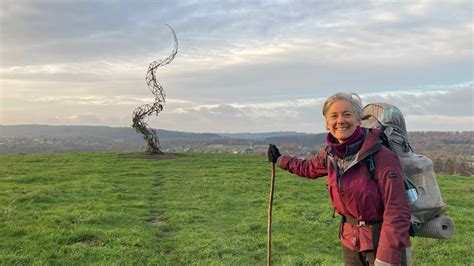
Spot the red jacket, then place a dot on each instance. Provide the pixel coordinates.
(365, 199)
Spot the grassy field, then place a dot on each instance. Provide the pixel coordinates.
(205, 209)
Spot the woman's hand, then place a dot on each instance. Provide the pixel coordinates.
(273, 153)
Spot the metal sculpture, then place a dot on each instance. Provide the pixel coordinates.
(145, 111)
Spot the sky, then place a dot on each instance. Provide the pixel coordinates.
(242, 66)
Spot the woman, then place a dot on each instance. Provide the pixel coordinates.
(375, 213)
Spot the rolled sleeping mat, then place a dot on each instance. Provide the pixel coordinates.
(441, 227)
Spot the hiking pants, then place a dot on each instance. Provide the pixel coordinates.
(367, 258)
(354, 258)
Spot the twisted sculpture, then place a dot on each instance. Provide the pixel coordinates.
(145, 111)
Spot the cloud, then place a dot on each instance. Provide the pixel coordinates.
(101, 30)
(439, 123)
(267, 64)
(452, 102)
(91, 100)
(88, 119)
(442, 110)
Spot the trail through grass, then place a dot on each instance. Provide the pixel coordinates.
(205, 209)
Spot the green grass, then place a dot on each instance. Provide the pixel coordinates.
(205, 209)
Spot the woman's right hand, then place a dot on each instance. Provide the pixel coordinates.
(273, 153)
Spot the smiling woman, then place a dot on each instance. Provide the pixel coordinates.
(374, 219)
(343, 115)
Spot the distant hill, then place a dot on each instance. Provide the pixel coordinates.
(306, 140)
(55, 139)
(24, 137)
(262, 136)
(36, 131)
(14, 139)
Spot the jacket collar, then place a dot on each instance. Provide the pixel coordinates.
(370, 145)
(350, 146)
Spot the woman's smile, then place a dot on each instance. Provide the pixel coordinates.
(341, 120)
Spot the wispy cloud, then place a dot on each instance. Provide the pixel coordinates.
(268, 64)
(448, 109)
(102, 100)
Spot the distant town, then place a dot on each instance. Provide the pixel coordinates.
(451, 152)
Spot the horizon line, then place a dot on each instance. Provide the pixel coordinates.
(263, 132)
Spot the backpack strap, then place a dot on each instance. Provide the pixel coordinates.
(325, 162)
(371, 166)
(326, 157)
(376, 230)
(376, 227)
(383, 137)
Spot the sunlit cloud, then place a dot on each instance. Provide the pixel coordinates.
(101, 100)
(423, 109)
(266, 65)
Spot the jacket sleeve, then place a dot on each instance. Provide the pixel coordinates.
(310, 168)
(394, 235)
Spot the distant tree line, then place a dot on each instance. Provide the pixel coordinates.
(452, 152)
(453, 166)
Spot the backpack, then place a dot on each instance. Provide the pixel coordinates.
(420, 181)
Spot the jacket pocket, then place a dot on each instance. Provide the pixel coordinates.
(369, 206)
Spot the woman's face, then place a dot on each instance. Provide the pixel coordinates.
(341, 120)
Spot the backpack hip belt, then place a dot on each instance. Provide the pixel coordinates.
(352, 220)
(376, 228)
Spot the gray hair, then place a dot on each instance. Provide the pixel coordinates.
(352, 98)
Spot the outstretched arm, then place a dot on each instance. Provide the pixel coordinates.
(310, 168)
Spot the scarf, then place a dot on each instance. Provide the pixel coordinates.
(341, 149)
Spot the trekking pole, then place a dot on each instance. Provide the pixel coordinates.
(269, 224)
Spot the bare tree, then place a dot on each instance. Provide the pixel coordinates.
(145, 111)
